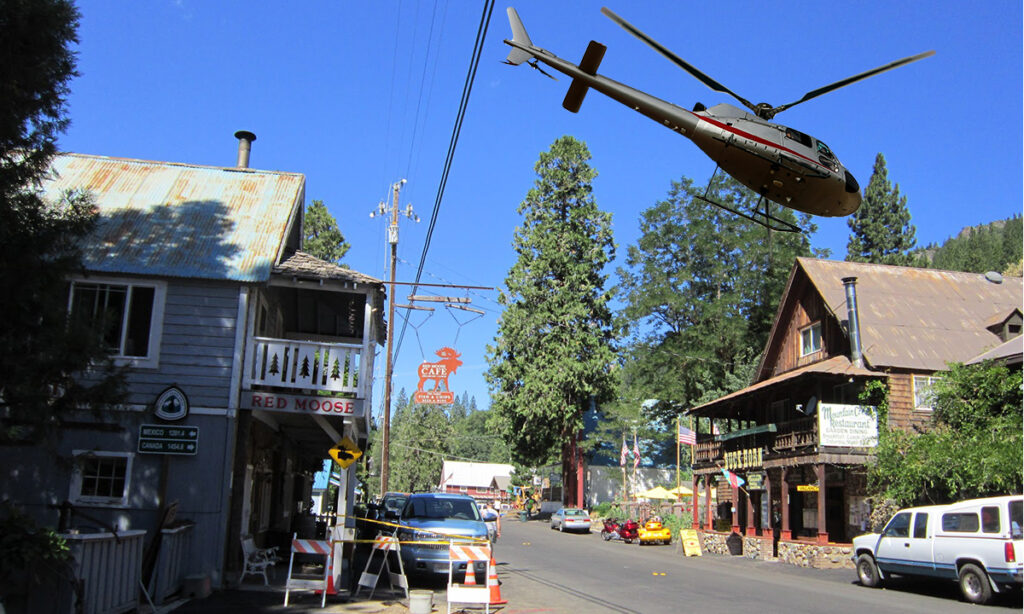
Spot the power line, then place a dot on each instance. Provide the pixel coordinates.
(467, 89)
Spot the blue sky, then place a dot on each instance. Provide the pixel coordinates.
(357, 95)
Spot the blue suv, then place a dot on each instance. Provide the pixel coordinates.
(437, 519)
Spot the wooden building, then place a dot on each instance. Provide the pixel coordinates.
(798, 437)
(248, 360)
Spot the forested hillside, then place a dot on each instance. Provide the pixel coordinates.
(977, 249)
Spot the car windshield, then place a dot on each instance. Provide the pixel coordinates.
(437, 508)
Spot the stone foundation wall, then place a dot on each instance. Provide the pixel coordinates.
(713, 543)
(759, 548)
(817, 556)
(801, 554)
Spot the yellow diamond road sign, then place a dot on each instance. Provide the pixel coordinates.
(345, 452)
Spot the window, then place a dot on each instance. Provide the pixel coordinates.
(899, 526)
(960, 522)
(810, 339)
(798, 136)
(990, 519)
(127, 316)
(101, 478)
(924, 395)
(921, 525)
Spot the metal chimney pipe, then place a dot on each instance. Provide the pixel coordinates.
(853, 321)
(245, 139)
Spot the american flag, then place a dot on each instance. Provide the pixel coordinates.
(636, 454)
(625, 453)
(686, 436)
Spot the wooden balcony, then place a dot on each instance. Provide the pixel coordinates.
(313, 366)
(780, 438)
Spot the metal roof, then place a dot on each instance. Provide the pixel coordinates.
(913, 318)
(179, 220)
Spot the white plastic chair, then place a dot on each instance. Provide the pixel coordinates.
(257, 560)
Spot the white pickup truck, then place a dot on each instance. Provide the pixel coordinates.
(976, 542)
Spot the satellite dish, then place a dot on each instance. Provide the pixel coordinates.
(811, 406)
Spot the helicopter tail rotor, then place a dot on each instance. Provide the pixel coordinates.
(520, 40)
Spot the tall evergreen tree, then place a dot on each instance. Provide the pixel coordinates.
(41, 352)
(553, 350)
(323, 238)
(880, 231)
(700, 290)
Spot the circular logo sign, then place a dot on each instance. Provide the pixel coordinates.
(172, 404)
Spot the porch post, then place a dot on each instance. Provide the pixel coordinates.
(769, 531)
(735, 509)
(709, 521)
(787, 535)
(694, 510)
(822, 529)
(751, 529)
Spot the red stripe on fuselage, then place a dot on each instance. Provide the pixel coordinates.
(757, 139)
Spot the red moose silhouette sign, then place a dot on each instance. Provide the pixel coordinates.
(438, 373)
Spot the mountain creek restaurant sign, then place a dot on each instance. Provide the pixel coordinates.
(302, 404)
(854, 426)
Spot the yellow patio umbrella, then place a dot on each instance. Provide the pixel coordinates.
(681, 491)
(657, 492)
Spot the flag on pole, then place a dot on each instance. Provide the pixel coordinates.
(686, 436)
(625, 453)
(334, 479)
(636, 454)
(734, 480)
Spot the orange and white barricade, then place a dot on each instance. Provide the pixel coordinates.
(383, 545)
(469, 591)
(295, 581)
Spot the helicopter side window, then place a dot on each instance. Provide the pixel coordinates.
(825, 151)
(798, 136)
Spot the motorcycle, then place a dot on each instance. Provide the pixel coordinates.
(628, 531)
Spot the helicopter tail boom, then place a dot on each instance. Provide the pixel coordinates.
(578, 88)
(519, 53)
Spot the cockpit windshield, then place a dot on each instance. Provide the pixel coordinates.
(825, 151)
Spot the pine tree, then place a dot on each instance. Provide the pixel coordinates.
(553, 350)
(42, 351)
(323, 238)
(880, 231)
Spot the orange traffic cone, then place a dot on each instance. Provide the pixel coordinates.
(492, 584)
(470, 574)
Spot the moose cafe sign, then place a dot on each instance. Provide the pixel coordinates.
(437, 372)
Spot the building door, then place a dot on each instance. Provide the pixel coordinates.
(796, 512)
(835, 520)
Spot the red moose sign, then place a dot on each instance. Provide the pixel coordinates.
(438, 373)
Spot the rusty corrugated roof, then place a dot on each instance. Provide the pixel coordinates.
(913, 318)
(180, 220)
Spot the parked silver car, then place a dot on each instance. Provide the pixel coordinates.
(436, 519)
(571, 519)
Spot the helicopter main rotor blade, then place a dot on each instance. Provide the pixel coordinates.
(706, 80)
(853, 79)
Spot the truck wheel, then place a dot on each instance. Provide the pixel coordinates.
(867, 571)
(974, 584)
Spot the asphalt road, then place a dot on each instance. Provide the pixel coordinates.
(544, 571)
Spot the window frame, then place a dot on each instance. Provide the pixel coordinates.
(931, 380)
(810, 328)
(152, 358)
(75, 487)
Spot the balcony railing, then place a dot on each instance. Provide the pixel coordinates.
(305, 365)
(786, 436)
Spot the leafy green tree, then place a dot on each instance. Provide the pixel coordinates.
(419, 443)
(41, 352)
(553, 351)
(700, 289)
(323, 238)
(971, 449)
(880, 231)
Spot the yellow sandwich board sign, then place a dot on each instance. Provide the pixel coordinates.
(345, 452)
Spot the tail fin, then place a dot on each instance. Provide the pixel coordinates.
(519, 36)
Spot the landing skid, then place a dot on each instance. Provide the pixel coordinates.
(761, 218)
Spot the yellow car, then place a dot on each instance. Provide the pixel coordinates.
(653, 532)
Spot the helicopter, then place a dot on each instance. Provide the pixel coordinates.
(781, 164)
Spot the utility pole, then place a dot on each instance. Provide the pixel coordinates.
(393, 240)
